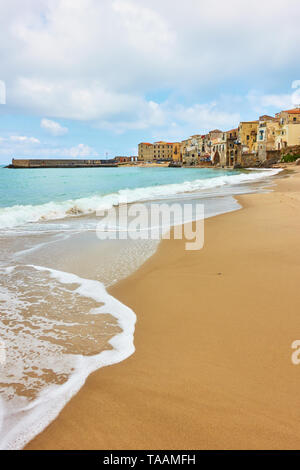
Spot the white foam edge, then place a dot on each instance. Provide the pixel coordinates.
(17, 215)
(39, 413)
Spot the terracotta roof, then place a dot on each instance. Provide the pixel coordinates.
(264, 116)
(293, 111)
(145, 143)
(162, 142)
(247, 122)
(216, 130)
(232, 130)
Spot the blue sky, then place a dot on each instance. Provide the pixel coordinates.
(90, 78)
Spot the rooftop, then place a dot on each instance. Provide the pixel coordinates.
(293, 111)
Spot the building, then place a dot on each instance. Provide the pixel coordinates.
(204, 149)
(163, 151)
(267, 130)
(190, 150)
(233, 148)
(177, 156)
(160, 151)
(130, 159)
(145, 151)
(288, 132)
(247, 135)
(218, 147)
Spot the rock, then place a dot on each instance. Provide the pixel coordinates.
(297, 161)
(269, 163)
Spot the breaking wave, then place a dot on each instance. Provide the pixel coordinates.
(18, 215)
(49, 355)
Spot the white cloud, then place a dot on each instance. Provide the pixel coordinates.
(145, 29)
(151, 66)
(264, 102)
(32, 147)
(68, 99)
(53, 127)
(24, 139)
(175, 122)
(296, 84)
(79, 150)
(99, 61)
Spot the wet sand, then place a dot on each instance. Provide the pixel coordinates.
(212, 367)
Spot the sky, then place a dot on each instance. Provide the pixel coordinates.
(93, 78)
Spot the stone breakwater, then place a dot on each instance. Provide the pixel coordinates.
(60, 163)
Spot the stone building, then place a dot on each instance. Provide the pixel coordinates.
(126, 159)
(247, 135)
(190, 150)
(288, 133)
(163, 151)
(159, 151)
(177, 156)
(218, 147)
(233, 148)
(205, 148)
(266, 134)
(145, 151)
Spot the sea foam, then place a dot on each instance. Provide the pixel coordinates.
(18, 215)
(22, 419)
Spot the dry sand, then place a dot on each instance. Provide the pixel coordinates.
(212, 368)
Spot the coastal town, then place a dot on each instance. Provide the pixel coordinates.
(254, 143)
(260, 143)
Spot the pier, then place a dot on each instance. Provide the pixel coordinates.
(61, 163)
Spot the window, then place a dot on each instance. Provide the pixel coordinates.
(248, 137)
(294, 119)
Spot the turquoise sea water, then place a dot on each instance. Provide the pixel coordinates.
(39, 195)
(39, 186)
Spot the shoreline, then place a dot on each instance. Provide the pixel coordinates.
(212, 366)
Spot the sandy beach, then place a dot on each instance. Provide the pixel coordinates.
(212, 367)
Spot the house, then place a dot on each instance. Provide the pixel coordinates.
(266, 134)
(145, 151)
(190, 150)
(288, 132)
(233, 148)
(131, 159)
(177, 156)
(247, 135)
(159, 151)
(218, 147)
